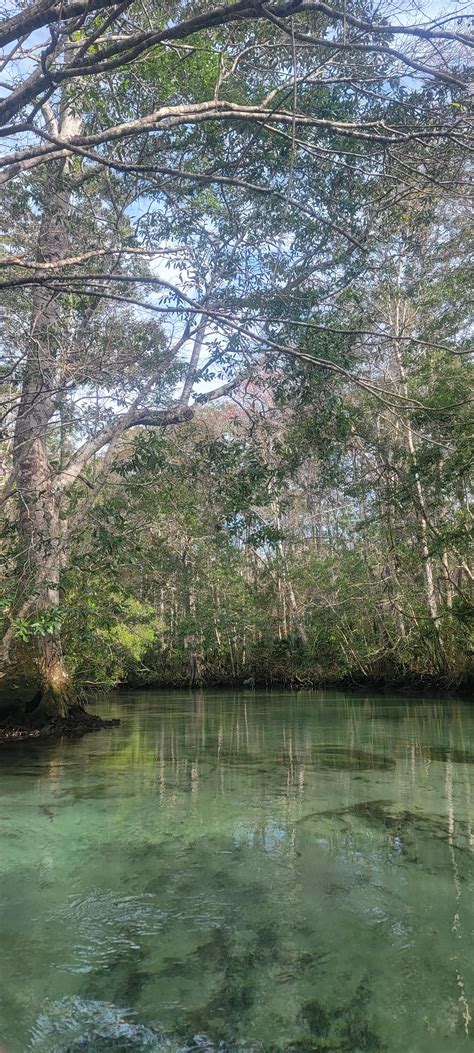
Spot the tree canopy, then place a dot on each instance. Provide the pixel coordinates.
(234, 341)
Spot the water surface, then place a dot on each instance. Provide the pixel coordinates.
(248, 873)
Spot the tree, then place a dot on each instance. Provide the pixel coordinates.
(160, 139)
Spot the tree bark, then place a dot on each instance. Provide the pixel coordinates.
(32, 670)
(428, 566)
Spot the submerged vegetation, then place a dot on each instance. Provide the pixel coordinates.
(234, 273)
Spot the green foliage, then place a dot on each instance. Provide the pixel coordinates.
(317, 525)
(106, 631)
(222, 543)
(43, 623)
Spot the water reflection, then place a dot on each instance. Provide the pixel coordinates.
(268, 873)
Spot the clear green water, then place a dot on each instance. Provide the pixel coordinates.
(242, 873)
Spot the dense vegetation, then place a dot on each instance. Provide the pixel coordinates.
(236, 416)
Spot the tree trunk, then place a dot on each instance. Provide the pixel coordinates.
(32, 670)
(428, 566)
(288, 590)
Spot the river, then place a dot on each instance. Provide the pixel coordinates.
(242, 872)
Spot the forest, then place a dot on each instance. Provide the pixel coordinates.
(236, 424)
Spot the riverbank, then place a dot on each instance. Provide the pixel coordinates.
(76, 723)
(401, 683)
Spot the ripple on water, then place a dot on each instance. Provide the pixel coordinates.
(72, 1024)
(105, 923)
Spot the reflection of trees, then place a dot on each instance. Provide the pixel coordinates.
(299, 732)
(189, 745)
(457, 923)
